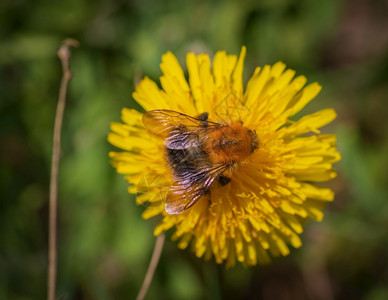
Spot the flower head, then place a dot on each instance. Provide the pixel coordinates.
(267, 198)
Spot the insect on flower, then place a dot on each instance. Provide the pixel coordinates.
(199, 152)
(232, 191)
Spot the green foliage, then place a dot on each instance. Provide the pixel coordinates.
(104, 245)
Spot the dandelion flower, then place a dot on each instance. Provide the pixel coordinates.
(263, 208)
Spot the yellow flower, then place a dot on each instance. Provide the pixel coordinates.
(264, 207)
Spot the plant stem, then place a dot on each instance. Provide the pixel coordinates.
(64, 55)
(151, 268)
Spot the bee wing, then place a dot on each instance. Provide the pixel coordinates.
(184, 193)
(180, 131)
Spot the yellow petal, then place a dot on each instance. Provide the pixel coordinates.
(149, 96)
(254, 101)
(317, 193)
(201, 81)
(311, 122)
(223, 66)
(314, 174)
(152, 211)
(300, 100)
(194, 79)
(207, 84)
(171, 69)
(237, 77)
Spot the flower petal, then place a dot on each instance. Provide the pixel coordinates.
(300, 100)
(237, 77)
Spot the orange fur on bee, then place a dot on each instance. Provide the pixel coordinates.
(230, 143)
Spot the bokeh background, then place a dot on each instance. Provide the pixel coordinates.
(104, 245)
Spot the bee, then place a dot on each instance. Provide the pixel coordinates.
(198, 152)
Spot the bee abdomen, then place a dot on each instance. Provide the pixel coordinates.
(184, 164)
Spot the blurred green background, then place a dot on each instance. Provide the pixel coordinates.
(104, 245)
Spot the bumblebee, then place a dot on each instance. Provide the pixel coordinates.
(198, 152)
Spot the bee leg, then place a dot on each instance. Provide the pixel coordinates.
(223, 180)
(209, 198)
(203, 117)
